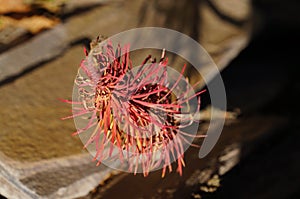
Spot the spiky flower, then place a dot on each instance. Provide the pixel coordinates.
(135, 115)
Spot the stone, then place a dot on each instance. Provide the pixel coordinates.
(39, 49)
(40, 159)
(238, 140)
(10, 34)
(38, 156)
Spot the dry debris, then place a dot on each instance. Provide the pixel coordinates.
(34, 24)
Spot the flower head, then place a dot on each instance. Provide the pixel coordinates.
(133, 114)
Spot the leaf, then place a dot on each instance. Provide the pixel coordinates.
(33, 24)
(8, 6)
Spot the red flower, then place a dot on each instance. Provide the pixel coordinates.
(134, 114)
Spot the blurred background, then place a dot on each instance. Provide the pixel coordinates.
(255, 46)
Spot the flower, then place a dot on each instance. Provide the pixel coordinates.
(135, 114)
